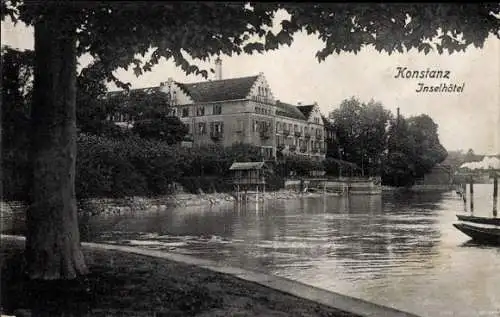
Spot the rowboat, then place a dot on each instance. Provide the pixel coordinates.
(480, 234)
(481, 229)
(481, 220)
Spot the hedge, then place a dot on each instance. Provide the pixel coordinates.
(132, 166)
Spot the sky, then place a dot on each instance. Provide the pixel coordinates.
(467, 119)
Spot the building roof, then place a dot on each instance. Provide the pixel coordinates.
(306, 110)
(219, 90)
(239, 166)
(326, 122)
(289, 110)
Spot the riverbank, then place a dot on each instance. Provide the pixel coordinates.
(110, 206)
(124, 284)
(113, 206)
(179, 200)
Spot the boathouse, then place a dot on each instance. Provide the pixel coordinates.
(249, 176)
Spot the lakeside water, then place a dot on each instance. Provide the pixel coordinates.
(398, 250)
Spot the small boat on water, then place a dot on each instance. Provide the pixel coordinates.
(480, 234)
(481, 220)
(481, 229)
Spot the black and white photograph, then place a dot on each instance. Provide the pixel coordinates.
(267, 159)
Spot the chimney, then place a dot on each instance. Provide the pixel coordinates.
(218, 69)
(397, 116)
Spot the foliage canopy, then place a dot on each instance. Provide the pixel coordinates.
(117, 34)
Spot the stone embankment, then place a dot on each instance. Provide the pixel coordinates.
(110, 206)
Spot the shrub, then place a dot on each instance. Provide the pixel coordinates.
(15, 174)
(104, 169)
(301, 166)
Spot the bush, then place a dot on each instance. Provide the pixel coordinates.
(15, 174)
(208, 184)
(124, 167)
(132, 166)
(104, 169)
(301, 166)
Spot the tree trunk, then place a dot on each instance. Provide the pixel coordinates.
(53, 241)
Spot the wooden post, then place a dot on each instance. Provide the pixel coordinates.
(471, 190)
(257, 198)
(495, 194)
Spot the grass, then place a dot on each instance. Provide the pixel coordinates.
(122, 284)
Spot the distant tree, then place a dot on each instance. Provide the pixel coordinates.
(116, 33)
(413, 150)
(428, 150)
(398, 164)
(17, 74)
(161, 127)
(347, 122)
(91, 111)
(470, 156)
(454, 159)
(361, 132)
(17, 78)
(374, 123)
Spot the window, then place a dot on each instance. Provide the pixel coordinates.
(219, 127)
(217, 109)
(185, 112)
(200, 111)
(279, 140)
(278, 126)
(202, 128)
(238, 125)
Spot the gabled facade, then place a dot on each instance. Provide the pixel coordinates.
(245, 110)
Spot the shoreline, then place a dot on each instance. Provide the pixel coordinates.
(220, 290)
(181, 200)
(113, 206)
